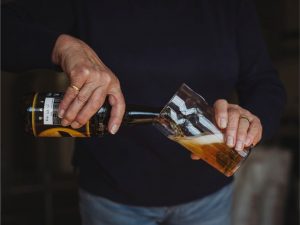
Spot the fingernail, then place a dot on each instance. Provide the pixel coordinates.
(75, 125)
(65, 123)
(247, 142)
(61, 113)
(223, 123)
(239, 146)
(114, 129)
(230, 141)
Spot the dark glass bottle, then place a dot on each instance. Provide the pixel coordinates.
(41, 119)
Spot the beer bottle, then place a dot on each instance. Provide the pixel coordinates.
(41, 117)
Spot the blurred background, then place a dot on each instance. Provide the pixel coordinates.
(39, 185)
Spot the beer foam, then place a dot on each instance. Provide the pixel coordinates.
(203, 140)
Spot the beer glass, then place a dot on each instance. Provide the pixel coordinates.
(188, 120)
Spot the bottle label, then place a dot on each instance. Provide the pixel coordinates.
(48, 111)
(45, 120)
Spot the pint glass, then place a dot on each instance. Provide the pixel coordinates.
(189, 120)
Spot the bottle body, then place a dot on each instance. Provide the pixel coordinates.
(41, 117)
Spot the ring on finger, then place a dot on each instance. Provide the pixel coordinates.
(246, 118)
(77, 89)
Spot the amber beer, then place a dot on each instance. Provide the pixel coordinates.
(212, 149)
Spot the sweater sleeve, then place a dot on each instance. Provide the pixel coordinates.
(29, 32)
(259, 88)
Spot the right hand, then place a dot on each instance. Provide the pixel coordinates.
(90, 83)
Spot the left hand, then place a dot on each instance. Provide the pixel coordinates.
(242, 128)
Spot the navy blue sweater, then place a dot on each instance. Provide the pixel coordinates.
(215, 46)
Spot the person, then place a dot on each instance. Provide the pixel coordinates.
(144, 50)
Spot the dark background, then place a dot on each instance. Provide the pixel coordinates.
(38, 184)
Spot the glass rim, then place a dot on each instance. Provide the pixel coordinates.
(183, 85)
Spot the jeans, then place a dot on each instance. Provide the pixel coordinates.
(214, 209)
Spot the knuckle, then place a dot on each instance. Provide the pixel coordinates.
(97, 76)
(123, 106)
(69, 116)
(69, 96)
(241, 138)
(251, 136)
(256, 126)
(115, 118)
(80, 71)
(243, 130)
(220, 101)
(257, 120)
(73, 73)
(63, 105)
(82, 119)
(231, 128)
(120, 109)
(82, 98)
(234, 106)
(117, 84)
(94, 106)
(106, 78)
(247, 112)
(234, 113)
(65, 38)
(242, 135)
(98, 71)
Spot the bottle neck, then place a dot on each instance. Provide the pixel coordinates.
(137, 114)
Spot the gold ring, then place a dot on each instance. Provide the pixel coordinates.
(245, 117)
(75, 88)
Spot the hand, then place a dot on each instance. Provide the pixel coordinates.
(90, 83)
(242, 128)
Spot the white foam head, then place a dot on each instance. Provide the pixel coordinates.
(206, 139)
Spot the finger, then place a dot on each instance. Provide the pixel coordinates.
(232, 126)
(116, 100)
(69, 96)
(241, 134)
(254, 133)
(195, 157)
(221, 114)
(78, 77)
(93, 104)
(257, 138)
(78, 103)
